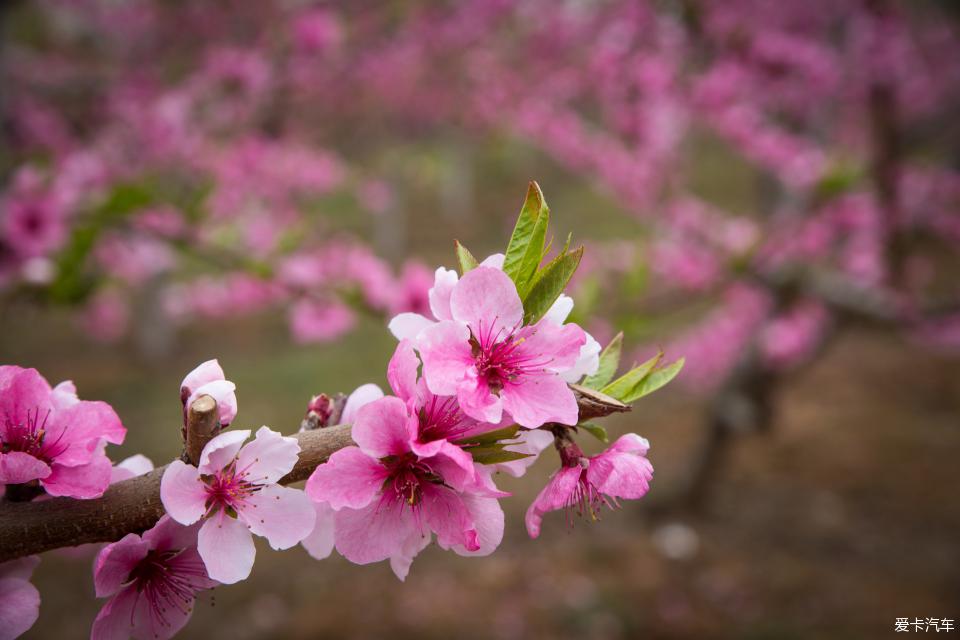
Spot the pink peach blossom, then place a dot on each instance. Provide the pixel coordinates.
(208, 379)
(51, 436)
(151, 580)
(19, 600)
(492, 362)
(585, 484)
(235, 492)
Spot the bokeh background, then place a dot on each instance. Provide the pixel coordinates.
(767, 189)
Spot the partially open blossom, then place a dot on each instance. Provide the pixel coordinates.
(19, 600)
(235, 492)
(388, 498)
(208, 379)
(585, 484)
(151, 580)
(492, 363)
(51, 436)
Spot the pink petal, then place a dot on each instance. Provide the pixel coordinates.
(19, 569)
(116, 619)
(486, 299)
(630, 443)
(78, 429)
(402, 371)
(224, 392)
(82, 482)
(588, 361)
(282, 515)
(620, 474)
(114, 563)
(556, 495)
(533, 443)
(64, 395)
(25, 391)
(135, 465)
(319, 544)
(268, 457)
(453, 464)
(444, 281)
(407, 326)
(170, 535)
(227, 549)
(221, 450)
(477, 401)
(409, 548)
(494, 260)
(446, 355)
(534, 400)
(19, 607)
(205, 372)
(375, 532)
(350, 478)
(17, 467)
(361, 397)
(382, 428)
(448, 517)
(560, 345)
(488, 520)
(559, 310)
(183, 494)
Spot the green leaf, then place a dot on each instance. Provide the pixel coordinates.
(595, 430)
(490, 437)
(549, 284)
(495, 454)
(654, 381)
(525, 232)
(623, 386)
(465, 258)
(609, 361)
(533, 256)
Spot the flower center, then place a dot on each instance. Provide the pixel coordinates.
(407, 477)
(229, 488)
(166, 579)
(30, 436)
(499, 357)
(441, 418)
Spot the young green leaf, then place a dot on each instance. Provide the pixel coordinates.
(495, 454)
(655, 380)
(490, 437)
(623, 386)
(535, 252)
(609, 361)
(595, 430)
(549, 284)
(465, 258)
(523, 233)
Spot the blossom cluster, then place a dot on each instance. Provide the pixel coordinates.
(482, 385)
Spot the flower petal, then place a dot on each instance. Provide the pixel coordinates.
(448, 517)
(402, 371)
(375, 532)
(282, 515)
(477, 400)
(319, 544)
(82, 482)
(17, 467)
(534, 400)
(73, 433)
(183, 494)
(407, 326)
(205, 372)
(446, 355)
(19, 607)
(221, 450)
(487, 300)
(226, 546)
(488, 520)
(533, 444)
(350, 478)
(444, 280)
(135, 465)
(559, 310)
(556, 495)
(116, 619)
(382, 428)
(224, 392)
(409, 549)
(622, 471)
(268, 457)
(558, 345)
(361, 397)
(588, 361)
(115, 562)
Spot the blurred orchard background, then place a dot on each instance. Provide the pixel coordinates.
(769, 189)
